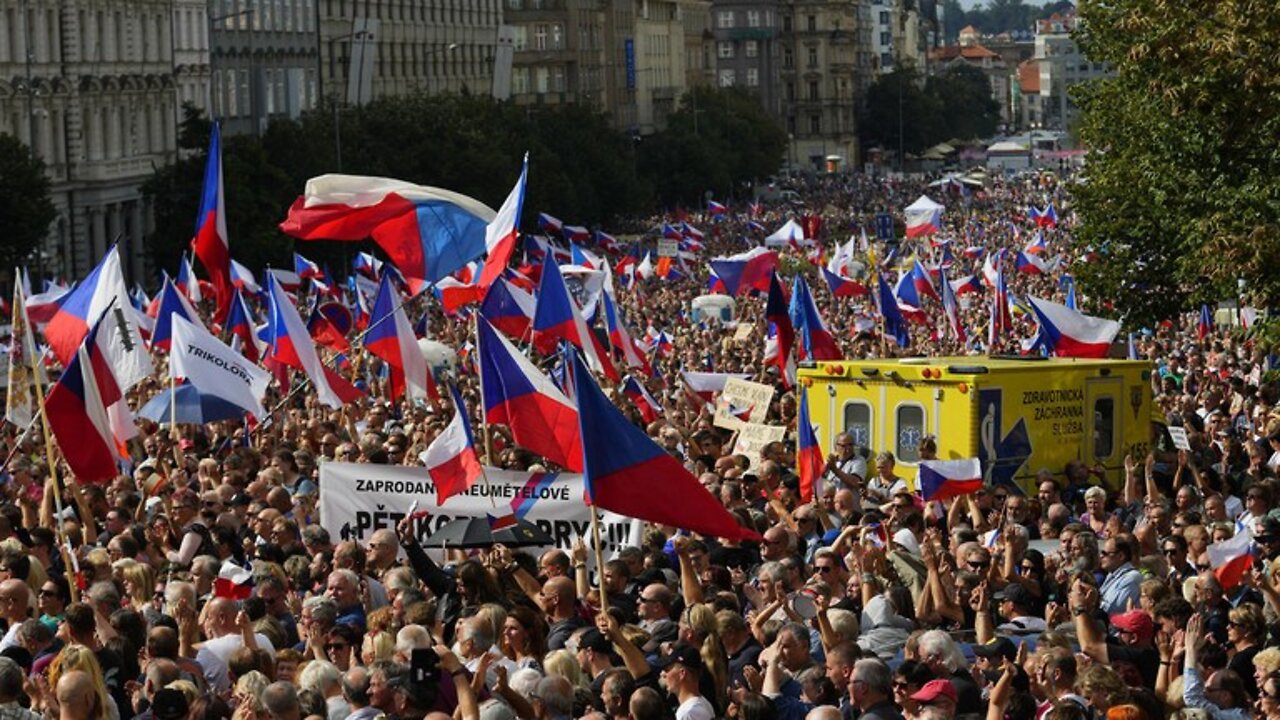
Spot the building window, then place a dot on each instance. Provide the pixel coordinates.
(520, 37)
(813, 89)
(884, 17)
(791, 92)
(813, 57)
(813, 23)
(788, 58)
(540, 37)
(786, 23)
(542, 78)
(519, 80)
(727, 78)
(557, 36)
(815, 124)
(752, 48)
(753, 77)
(725, 19)
(724, 50)
(886, 38)
(753, 18)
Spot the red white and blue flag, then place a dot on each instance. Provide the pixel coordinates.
(427, 232)
(810, 465)
(746, 271)
(171, 303)
(451, 459)
(776, 312)
(210, 242)
(816, 342)
(557, 317)
(242, 279)
(620, 337)
(1070, 333)
(1204, 324)
(509, 309)
(77, 408)
(639, 396)
(289, 344)
(242, 324)
(1232, 558)
(517, 395)
(943, 479)
(501, 234)
(1031, 264)
(390, 337)
(187, 282)
(951, 308)
(841, 286)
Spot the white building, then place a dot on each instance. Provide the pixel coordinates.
(1062, 65)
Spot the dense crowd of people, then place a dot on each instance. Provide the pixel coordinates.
(1077, 601)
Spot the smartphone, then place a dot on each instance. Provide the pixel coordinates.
(423, 664)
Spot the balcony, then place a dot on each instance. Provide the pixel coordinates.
(750, 33)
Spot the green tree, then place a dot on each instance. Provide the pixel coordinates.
(967, 109)
(718, 140)
(897, 102)
(24, 201)
(1182, 197)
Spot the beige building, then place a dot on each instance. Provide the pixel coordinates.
(90, 86)
(659, 76)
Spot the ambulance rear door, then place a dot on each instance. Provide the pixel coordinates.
(1104, 436)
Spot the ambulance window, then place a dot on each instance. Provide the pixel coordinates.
(910, 432)
(1104, 423)
(857, 422)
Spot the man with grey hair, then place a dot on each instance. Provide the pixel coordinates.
(319, 615)
(345, 589)
(11, 678)
(355, 690)
(475, 639)
(281, 700)
(947, 661)
(383, 547)
(222, 628)
(203, 571)
(15, 602)
(326, 679)
(553, 699)
(871, 691)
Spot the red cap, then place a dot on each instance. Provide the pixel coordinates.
(1137, 622)
(934, 689)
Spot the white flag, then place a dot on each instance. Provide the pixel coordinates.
(215, 369)
(21, 408)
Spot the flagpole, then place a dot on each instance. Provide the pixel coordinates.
(64, 544)
(484, 416)
(595, 533)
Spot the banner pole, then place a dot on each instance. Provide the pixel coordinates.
(484, 417)
(595, 532)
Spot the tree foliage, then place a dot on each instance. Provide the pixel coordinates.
(24, 201)
(1182, 197)
(997, 16)
(718, 140)
(955, 103)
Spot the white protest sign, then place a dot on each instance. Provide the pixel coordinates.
(1179, 437)
(742, 333)
(668, 247)
(357, 499)
(742, 398)
(752, 438)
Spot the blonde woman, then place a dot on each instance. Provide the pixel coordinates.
(698, 628)
(139, 586)
(78, 657)
(377, 646)
(244, 697)
(565, 664)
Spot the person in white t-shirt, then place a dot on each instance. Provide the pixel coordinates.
(225, 625)
(680, 670)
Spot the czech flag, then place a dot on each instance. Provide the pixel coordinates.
(626, 472)
(455, 294)
(951, 308)
(1069, 333)
(704, 386)
(620, 338)
(967, 284)
(1045, 218)
(509, 309)
(243, 279)
(1037, 245)
(77, 409)
(746, 271)
(586, 259)
(390, 337)
(550, 224)
(451, 458)
(306, 268)
(324, 333)
(171, 302)
(895, 325)
(716, 209)
(289, 344)
(816, 342)
(605, 241)
(368, 265)
(517, 395)
(557, 317)
(427, 232)
(241, 323)
(841, 286)
(991, 267)
(1030, 264)
(187, 283)
(501, 234)
(210, 240)
(776, 312)
(1232, 558)
(923, 283)
(1204, 325)
(943, 479)
(233, 582)
(714, 283)
(810, 464)
(1001, 317)
(635, 391)
(576, 233)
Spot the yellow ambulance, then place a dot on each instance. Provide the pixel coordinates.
(1018, 415)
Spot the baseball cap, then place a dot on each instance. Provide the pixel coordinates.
(1137, 622)
(169, 704)
(1000, 647)
(591, 639)
(935, 689)
(682, 653)
(1014, 593)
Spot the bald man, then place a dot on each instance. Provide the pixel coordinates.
(225, 637)
(76, 696)
(15, 600)
(559, 600)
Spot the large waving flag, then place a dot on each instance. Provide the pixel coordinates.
(951, 308)
(211, 240)
(626, 472)
(501, 234)
(943, 479)
(557, 317)
(77, 409)
(25, 368)
(242, 324)
(516, 394)
(451, 458)
(187, 283)
(215, 369)
(776, 312)
(102, 296)
(746, 271)
(1070, 333)
(427, 232)
(1045, 218)
(1030, 264)
(895, 325)
(1204, 323)
(1231, 558)
(620, 338)
(390, 337)
(242, 279)
(650, 409)
(509, 309)
(172, 303)
(841, 286)
(816, 342)
(290, 345)
(810, 464)
(923, 283)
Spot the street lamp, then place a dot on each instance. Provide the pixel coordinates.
(1031, 146)
(253, 117)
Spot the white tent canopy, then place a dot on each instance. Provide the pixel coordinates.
(792, 231)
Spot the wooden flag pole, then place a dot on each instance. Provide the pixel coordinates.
(595, 532)
(484, 417)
